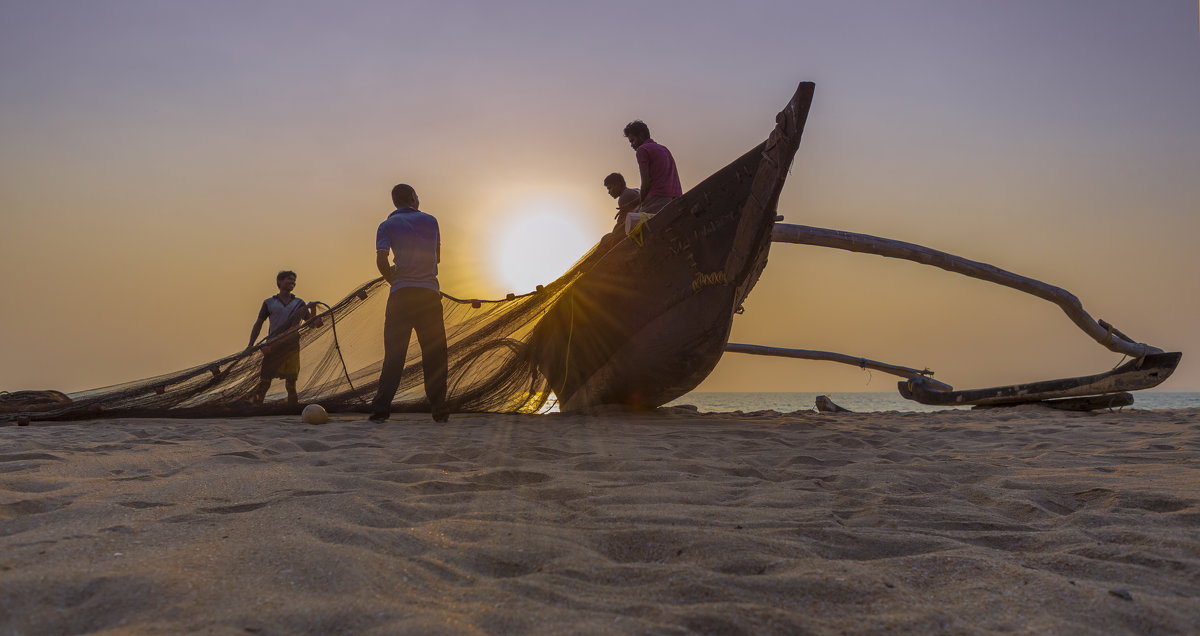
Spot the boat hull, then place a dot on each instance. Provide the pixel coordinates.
(646, 321)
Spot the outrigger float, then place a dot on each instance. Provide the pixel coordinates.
(1149, 368)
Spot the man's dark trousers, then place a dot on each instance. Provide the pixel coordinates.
(408, 309)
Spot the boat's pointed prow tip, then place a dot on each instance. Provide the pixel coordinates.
(802, 98)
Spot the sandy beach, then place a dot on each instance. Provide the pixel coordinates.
(1022, 520)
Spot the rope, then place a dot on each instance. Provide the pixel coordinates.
(708, 280)
(476, 302)
(570, 334)
(338, 347)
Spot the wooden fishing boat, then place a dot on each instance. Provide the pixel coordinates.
(635, 323)
(647, 320)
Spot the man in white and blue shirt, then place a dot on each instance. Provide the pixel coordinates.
(281, 359)
(413, 239)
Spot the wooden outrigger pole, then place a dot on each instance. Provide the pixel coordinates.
(922, 375)
(1150, 367)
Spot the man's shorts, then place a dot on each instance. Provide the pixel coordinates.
(282, 361)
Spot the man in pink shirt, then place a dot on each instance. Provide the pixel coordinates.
(660, 178)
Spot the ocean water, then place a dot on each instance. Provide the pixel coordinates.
(882, 401)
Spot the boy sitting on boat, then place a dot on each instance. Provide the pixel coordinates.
(627, 197)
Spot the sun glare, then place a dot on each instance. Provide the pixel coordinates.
(537, 243)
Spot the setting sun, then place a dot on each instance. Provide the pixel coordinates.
(538, 243)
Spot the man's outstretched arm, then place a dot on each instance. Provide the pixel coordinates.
(262, 316)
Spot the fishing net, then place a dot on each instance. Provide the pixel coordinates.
(340, 361)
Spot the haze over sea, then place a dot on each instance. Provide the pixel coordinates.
(724, 402)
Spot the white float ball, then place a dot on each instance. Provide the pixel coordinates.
(314, 414)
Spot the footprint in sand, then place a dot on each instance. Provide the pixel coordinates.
(140, 505)
(32, 507)
(34, 486)
(24, 457)
(542, 452)
(1154, 503)
(805, 460)
(864, 544)
(560, 495)
(430, 458)
(643, 546)
(447, 487)
(357, 445)
(237, 508)
(499, 566)
(243, 454)
(510, 478)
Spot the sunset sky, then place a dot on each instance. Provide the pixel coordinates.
(162, 160)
